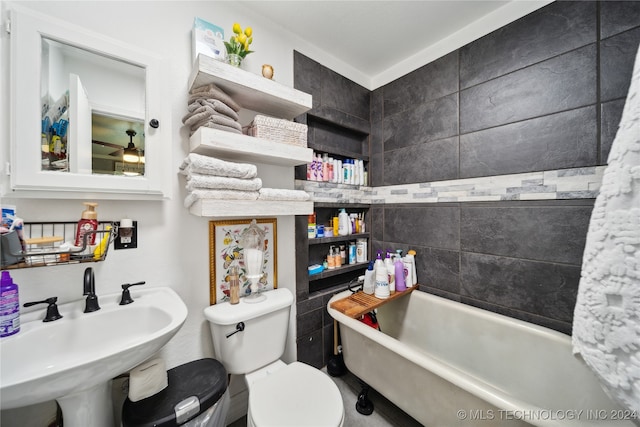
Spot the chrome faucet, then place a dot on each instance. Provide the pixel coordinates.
(90, 291)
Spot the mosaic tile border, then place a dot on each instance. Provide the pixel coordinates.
(563, 184)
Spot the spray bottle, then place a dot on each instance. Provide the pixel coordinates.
(382, 284)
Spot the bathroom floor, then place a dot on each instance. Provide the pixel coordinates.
(385, 414)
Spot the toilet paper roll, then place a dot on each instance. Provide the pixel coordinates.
(147, 379)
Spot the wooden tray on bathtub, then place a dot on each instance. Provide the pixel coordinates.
(358, 304)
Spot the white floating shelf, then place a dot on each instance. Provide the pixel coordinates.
(250, 90)
(249, 208)
(242, 148)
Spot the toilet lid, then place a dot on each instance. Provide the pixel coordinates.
(296, 395)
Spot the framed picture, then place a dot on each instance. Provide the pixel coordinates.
(225, 250)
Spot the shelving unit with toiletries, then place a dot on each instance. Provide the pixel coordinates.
(256, 94)
(318, 248)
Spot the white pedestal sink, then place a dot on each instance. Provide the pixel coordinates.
(73, 359)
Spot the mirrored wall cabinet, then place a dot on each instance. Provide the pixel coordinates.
(89, 114)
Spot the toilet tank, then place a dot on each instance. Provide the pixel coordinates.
(264, 336)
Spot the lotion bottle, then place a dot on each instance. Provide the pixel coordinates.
(344, 225)
(369, 280)
(88, 223)
(382, 284)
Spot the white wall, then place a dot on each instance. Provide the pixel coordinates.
(172, 244)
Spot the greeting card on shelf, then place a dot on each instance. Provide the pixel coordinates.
(207, 39)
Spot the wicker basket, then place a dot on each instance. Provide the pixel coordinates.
(278, 130)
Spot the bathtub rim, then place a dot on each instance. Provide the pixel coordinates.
(459, 378)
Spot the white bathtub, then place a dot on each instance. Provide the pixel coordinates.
(450, 364)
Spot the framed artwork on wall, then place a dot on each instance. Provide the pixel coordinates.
(225, 251)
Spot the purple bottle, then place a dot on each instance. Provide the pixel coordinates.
(9, 306)
(400, 282)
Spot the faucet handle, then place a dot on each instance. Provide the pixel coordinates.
(52, 309)
(126, 296)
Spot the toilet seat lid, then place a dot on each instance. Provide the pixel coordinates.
(296, 395)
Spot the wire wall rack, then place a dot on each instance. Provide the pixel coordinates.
(41, 244)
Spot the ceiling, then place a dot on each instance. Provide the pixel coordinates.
(374, 36)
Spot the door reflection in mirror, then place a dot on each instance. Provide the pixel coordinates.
(89, 102)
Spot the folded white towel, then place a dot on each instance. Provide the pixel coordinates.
(202, 182)
(197, 163)
(147, 379)
(606, 322)
(282, 194)
(219, 195)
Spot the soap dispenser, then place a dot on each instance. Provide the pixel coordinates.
(88, 224)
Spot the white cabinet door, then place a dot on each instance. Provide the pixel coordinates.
(27, 71)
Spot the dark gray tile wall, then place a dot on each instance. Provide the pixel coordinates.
(339, 120)
(543, 93)
(518, 258)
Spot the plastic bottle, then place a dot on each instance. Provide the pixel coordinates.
(325, 167)
(410, 265)
(382, 284)
(234, 285)
(352, 253)
(343, 223)
(88, 223)
(391, 271)
(335, 224)
(369, 280)
(398, 266)
(331, 261)
(9, 306)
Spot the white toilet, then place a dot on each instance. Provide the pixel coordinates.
(280, 395)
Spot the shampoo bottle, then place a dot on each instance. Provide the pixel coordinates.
(391, 272)
(87, 224)
(9, 306)
(411, 261)
(369, 280)
(399, 270)
(382, 284)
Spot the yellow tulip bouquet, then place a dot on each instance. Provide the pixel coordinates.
(239, 43)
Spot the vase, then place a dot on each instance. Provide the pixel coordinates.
(234, 59)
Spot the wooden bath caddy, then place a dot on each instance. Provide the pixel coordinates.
(357, 304)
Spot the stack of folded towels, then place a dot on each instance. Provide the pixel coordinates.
(212, 178)
(210, 106)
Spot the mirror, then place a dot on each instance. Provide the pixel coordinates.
(90, 114)
(72, 81)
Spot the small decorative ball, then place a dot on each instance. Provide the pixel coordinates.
(267, 71)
